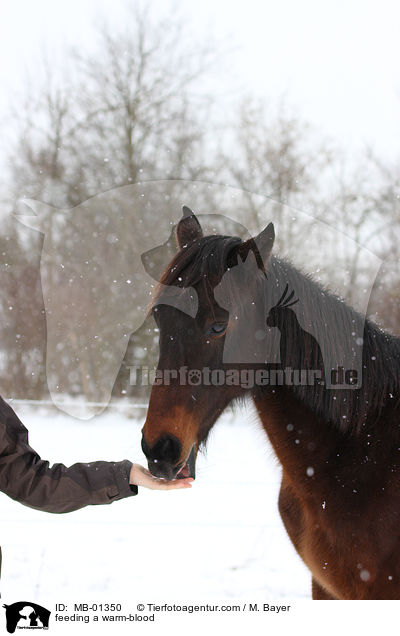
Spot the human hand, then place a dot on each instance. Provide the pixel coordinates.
(140, 476)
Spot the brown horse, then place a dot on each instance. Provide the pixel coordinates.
(339, 447)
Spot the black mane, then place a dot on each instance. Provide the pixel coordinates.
(353, 408)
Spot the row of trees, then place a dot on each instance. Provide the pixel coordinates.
(134, 110)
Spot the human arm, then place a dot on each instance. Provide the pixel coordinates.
(27, 478)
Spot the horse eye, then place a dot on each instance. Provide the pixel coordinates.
(217, 329)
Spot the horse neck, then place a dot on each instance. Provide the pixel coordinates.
(345, 409)
(302, 443)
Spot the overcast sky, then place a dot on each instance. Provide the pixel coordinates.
(337, 61)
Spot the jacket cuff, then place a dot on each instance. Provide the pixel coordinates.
(122, 472)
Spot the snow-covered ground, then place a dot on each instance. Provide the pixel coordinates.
(221, 539)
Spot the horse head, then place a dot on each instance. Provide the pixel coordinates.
(193, 384)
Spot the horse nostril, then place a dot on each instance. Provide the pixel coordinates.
(167, 449)
(163, 456)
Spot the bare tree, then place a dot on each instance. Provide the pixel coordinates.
(274, 153)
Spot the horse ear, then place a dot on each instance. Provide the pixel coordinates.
(188, 228)
(261, 245)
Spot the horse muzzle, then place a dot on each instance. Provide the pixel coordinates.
(164, 458)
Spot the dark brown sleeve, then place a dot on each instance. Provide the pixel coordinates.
(26, 477)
